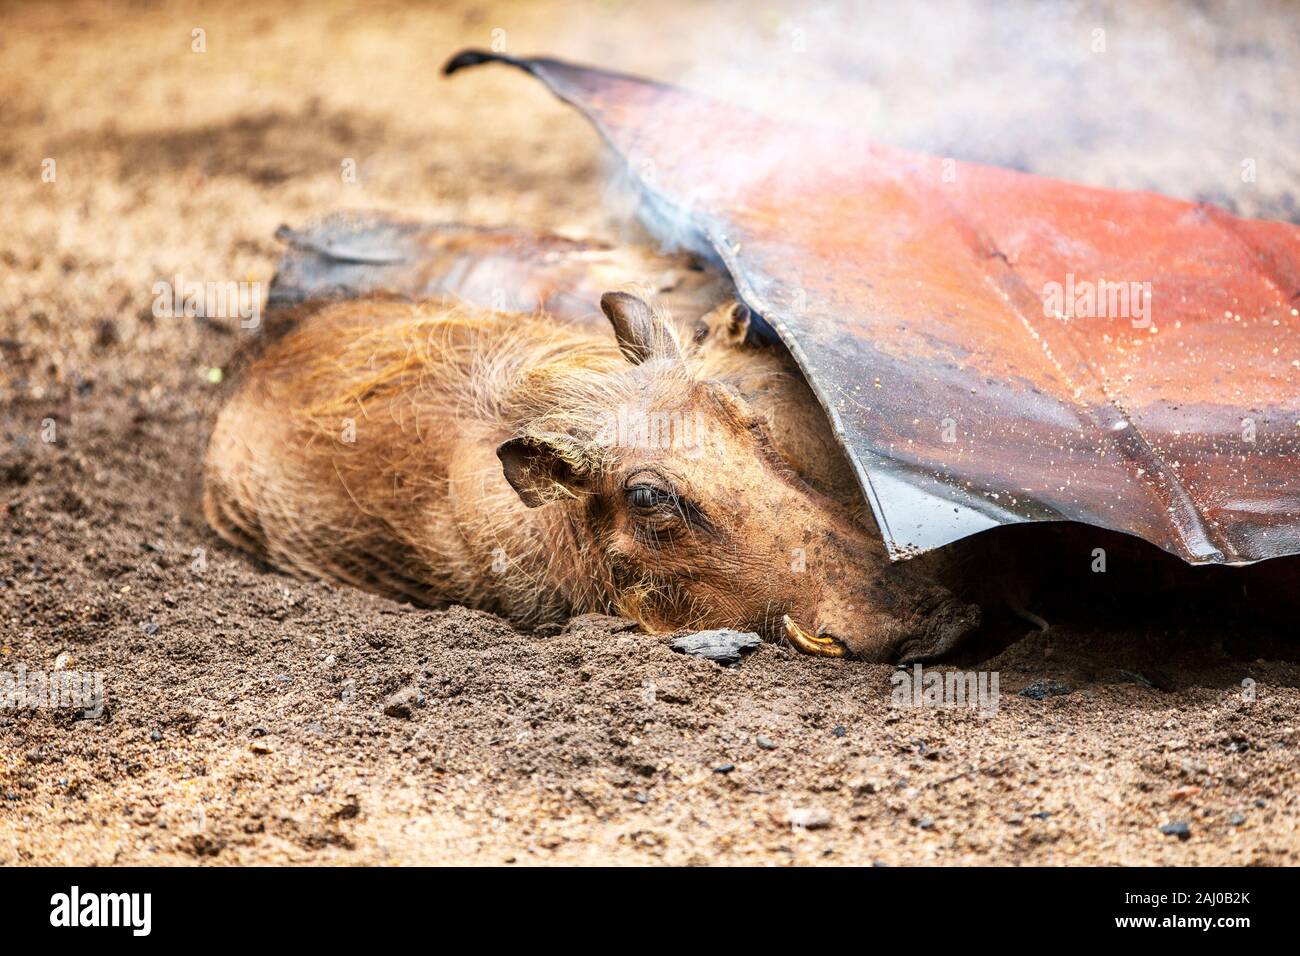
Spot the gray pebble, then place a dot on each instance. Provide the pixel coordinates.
(1179, 828)
(723, 646)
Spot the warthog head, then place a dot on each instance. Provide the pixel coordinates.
(690, 517)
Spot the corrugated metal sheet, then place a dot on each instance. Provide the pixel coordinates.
(1157, 394)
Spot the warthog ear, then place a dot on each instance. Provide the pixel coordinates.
(728, 323)
(544, 468)
(642, 333)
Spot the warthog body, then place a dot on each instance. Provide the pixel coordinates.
(537, 470)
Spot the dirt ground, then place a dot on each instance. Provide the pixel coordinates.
(245, 711)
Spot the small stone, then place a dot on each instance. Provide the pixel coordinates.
(1178, 828)
(764, 743)
(155, 736)
(403, 703)
(642, 798)
(839, 730)
(723, 646)
(330, 660)
(261, 746)
(149, 627)
(1046, 688)
(1237, 819)
(809, 818)
(63, 660)
(257, 730)
(1261, 803)
(724, 768)
(925, 823)
(1040, 815)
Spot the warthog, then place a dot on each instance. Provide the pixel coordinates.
(514, 464)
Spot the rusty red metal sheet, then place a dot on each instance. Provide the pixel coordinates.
(992, 347)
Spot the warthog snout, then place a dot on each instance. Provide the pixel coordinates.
(865, 607)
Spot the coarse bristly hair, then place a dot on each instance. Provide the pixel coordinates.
(361, 449)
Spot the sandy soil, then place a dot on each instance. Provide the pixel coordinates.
(245, 718)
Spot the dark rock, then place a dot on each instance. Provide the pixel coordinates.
(403, 703)
(1179, 828)
(724, 768)
(155, 736)
(723, 646)
(1237, 819)
(839, 730)
(1046, 688)
(149, 627)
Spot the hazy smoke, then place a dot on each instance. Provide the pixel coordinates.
(1199, 102)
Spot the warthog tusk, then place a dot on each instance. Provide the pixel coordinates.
(803, 641)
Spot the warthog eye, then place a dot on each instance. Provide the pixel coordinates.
(648, 498)
(649, 494)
